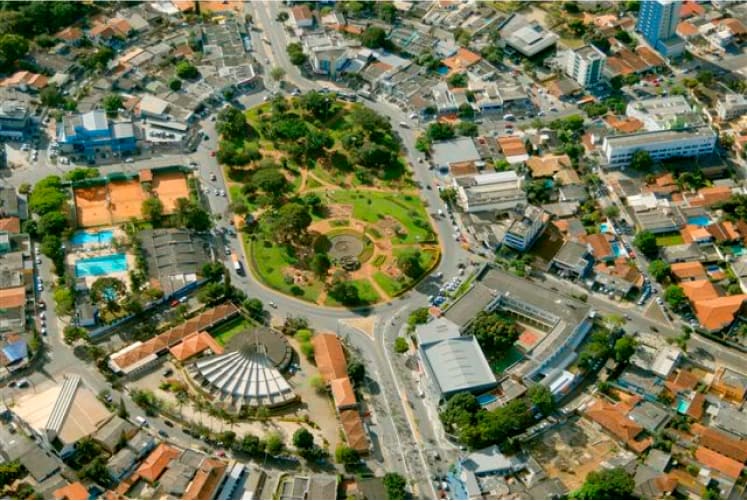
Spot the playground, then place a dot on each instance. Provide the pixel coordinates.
(107, 201)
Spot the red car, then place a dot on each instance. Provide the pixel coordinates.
(212, 153)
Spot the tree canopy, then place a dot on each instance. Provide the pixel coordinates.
(373, 37)
(232, 124)
(152, 210)
(290, 222)
(659, 269)
(47, 195)
(396, 486)
(646, 243)
(409, 263)
(606, 484)
(675, 297)
(641, 161)
(296, 54)
(495, 333)
(187, 71)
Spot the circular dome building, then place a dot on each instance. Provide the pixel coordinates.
(246, 377)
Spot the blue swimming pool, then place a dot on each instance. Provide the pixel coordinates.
(95, 237)
(100, 265)
(737, 250)
(618, 250)
(442, 70)
(486, 399)
(699, 220)
(682, 406)
(605, 228)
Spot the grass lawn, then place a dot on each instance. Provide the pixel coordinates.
(372, 206)
(391, 286)
(366, 293)
(269, 263)
(223, 333)
(667, 240)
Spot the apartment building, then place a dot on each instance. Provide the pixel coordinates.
(618, 150)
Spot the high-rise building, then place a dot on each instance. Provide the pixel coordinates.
(585, 65)
(657, 22)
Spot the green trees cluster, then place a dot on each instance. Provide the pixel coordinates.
(477, 427)
(152, 211)
(374, 37)
(596, 349)
(395, 485)
(646, 243)
(495, 333)
(606, 484)
(641, 161)
(659, 269)
(47, 200)
(675, 297)
(189, 214)
(296, 54)
(12, 49)
(186, 70)
(232, 125)
(735, 208)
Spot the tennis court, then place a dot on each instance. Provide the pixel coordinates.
(169, 187)
(91, 206)
(126, 200)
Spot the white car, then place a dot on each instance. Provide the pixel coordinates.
(216, 192)
(222, 193)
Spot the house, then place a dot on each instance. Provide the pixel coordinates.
(461, 150)
(688, 271)
(613, 418)
(722, 464)
(301, 16)
(513, 149)
(692, 233)
(15, 113)
(723, 232)
(462, 60)
(548, 165)
(708, 196)
(157, 462)
(25, 81)
(714, 312)
(572, 260)
(619, 277)
(527, 38)
(76, 490)
(70, 36)
(720, 442)
(600, 246)
(729, 385)
(573, 193)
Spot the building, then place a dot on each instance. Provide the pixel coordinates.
(62, 414)
(329, 57)
(527, 224)
(15, 114)
(657, 22)
(731, 106)
(301, 16)
(572, 260)
(175, 256)
(661, 145)
(460, 150)
(452, 362)
(92, 134)
(585, 65)
(496, 191)
(665, 113)
(527, 38)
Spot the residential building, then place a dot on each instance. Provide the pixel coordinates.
(301, 16)
(665, 113)
(528, 222)
(496, 191)
(614, 419)
(480, 468)
(661, 145)
(585, 65)
(15, 114)
(328, 55)
(91, 134)
(657, 22)
(731, 106)
(714, 311)
(453, 363)
(572, 260)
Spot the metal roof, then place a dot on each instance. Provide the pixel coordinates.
(457, 364)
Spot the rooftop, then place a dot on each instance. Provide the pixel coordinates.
(329, 356)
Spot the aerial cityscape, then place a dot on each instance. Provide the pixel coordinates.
(417, 249)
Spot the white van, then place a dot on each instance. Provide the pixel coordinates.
(141, 421)
(404, 125)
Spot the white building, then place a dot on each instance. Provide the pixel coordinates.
(527, 224)
(585, 65)
(498, 191)
(527, 38)
(664, 113)
(731, 106)
(619, 150)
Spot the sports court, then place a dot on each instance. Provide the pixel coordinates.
(121, 200)
(169, 187)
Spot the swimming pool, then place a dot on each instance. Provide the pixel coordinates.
(486, 399)
(682, 406)
(95, 237)
(618, 250)
(100, 265)
(699, 220)
(605, 228)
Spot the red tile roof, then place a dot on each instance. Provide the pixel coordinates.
(716, 314)
(723, 231)
(696, 407)
(689, 270)
(600, 246)
(735, 448)
(206, 480)
(691, 8)
(463, 59)
(76, 490)
(157, 461)
(613, 418)
(355, 433)
(10, 224)
(195, 343)
(343, 393)
(710, 195)
(13, 298)
(719, 462)
(329, 356)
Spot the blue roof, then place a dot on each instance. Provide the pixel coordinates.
(16, 351)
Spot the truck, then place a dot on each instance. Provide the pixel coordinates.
(237, 263)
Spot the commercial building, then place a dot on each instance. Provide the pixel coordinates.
(572, 260)
(460, 150)
(527, 223)
(175, 256)
(585, 65)
(527, 38)
(15, 113)
(618, 150)
(91, 134)
(657, 22)
(497, 191)
(452, 362)
(731, 106)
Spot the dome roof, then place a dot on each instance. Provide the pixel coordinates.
(245, 377)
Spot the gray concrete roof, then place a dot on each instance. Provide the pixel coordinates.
(457, 364)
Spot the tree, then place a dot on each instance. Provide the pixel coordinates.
(457, 80)
(417, 317)
(409, 263)
(624, 348)
(282, 17)
(250, 445)
(460, 410)
(612, 211)
(274, 444)
(24, 188)
(186, 70)
(641, 161)
(213, 271)
(72, 333)
(48, 195)
(495, 333)
(270, 181)
(659, 269)
(373, 37)
(211, 293)
(107, 289)
(175, 84)
(231, 123)
(439, 131)
(12, 48)
(346, 455)
(255, 308)
(320, 265)
(52, 223)
(356, 371)
(51, 96)
(64, 300)
(277, 73)
(317, 383)
(291, 221)
(466, 111)
(646, 243)
(675, 296)
(51, 247)
(606, 484)
(80, 173)
(467, 129)
(541, 397)
(705, 77)
(99, 59)
(344, 292)
(152, 210)
(295, 54)
(303, 439)
(401, 345)
(112, 103)
(396, 486)
(190, 215)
